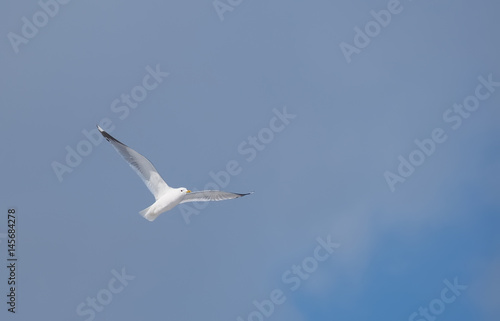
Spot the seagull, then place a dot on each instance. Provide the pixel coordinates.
(166, 197)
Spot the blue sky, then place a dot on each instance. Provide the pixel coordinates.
(198, 86)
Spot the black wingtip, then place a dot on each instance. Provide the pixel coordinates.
(104, 133)
(108, 136)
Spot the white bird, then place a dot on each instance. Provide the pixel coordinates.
(166, 197)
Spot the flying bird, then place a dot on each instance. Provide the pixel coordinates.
(166, 197)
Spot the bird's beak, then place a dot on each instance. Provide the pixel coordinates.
(188, 191)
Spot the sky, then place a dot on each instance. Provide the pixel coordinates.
(368, 131)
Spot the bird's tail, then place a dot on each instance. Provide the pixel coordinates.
(148, 213)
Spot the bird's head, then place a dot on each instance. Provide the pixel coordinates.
(184, 190)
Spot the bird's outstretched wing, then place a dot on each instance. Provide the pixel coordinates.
(206, 196)
(140, 164)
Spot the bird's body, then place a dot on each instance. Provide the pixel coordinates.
(168, 201)
(166, 197)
